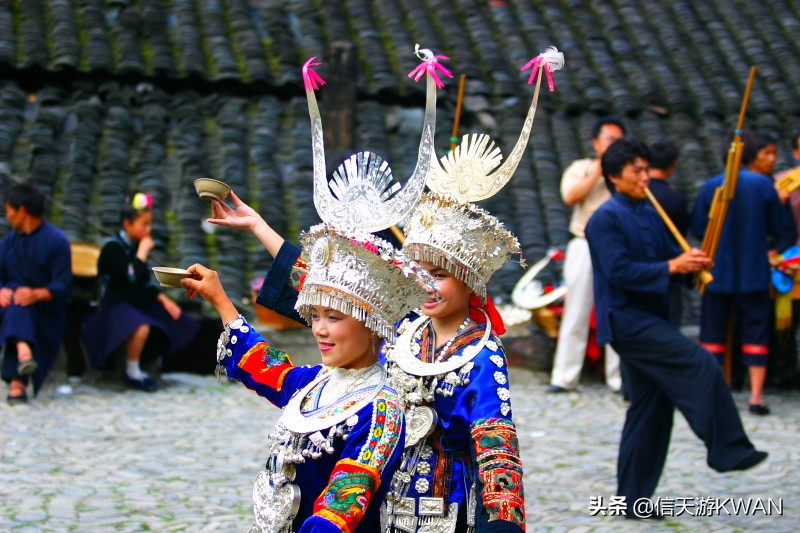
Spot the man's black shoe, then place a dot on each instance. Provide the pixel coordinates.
(752, 460)
(758, 409)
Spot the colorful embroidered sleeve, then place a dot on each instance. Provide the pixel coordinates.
(495, 449)
(368, 461)
(249, 358)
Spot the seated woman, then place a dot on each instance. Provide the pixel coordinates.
(132, 307)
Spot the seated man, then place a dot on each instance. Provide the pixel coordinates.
(633, 258)
(35, 280)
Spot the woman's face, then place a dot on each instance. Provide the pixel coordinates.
(344, 342)
(140, 227)
(765, 160)
(451, 300)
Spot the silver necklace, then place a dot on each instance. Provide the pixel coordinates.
(406, 349)
(296, 421)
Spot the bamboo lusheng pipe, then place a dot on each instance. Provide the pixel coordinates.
(718, 211)
(790, 182)
(705, 275)
(457, 122)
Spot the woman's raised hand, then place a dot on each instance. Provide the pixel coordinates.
(243, 217)
(206, 283)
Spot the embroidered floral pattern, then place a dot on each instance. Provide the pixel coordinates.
(297, 276)
(384, 432)
(346, 498)
(270, 368)
(499, 469)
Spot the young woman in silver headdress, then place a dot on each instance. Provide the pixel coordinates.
(335, 447)
(461, 469)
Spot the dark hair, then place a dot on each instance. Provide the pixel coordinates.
(663, 154)
(129, 213)
(620, 153)
(796, 140)
(753, 143)
(27, 196)
(602, 121)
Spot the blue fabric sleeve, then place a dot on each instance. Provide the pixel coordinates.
(3, 259)
(317, 524)
(486, 405)
(611, 253)
(277, 292)
(700, 212)
(787, 235)
(61, 270)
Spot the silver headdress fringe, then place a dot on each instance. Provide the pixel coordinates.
(461, 238)
(362, 276)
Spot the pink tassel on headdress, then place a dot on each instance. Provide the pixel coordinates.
(430, 64)
(550, 60)
(311, 79)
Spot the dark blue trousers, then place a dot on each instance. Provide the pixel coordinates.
(664, 369)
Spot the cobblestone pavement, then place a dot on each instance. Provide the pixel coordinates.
(103, 459)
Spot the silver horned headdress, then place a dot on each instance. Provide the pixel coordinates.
(363, 194)
(448, 230)
(349, 269)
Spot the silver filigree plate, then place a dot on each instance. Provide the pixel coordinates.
(420, 422)
(274, 507)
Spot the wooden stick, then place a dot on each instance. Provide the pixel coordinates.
(457, 121)
(398, 233)
(705, 275)
(746, 98)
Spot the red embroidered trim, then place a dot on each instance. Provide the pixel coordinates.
(346, 498)
(299, 273)
(271, 376)
(499, 469)
(713, 347)
(755, 349)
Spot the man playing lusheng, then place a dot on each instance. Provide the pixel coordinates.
(633, 259)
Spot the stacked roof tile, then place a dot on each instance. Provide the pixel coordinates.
(101, 96)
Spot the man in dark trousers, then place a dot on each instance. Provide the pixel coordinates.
(35, 280)
(633, 258)
(663, 162)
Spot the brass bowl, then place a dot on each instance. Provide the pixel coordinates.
(210, 189)
(170, 277)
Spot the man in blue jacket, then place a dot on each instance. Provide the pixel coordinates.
(633, 258)
(35, 280)
(756, 220)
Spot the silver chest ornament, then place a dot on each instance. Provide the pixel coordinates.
(296, 438)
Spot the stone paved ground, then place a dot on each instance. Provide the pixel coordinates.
(107, 460)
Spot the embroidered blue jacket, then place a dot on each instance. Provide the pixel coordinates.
(341, 491)
(476, 436)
